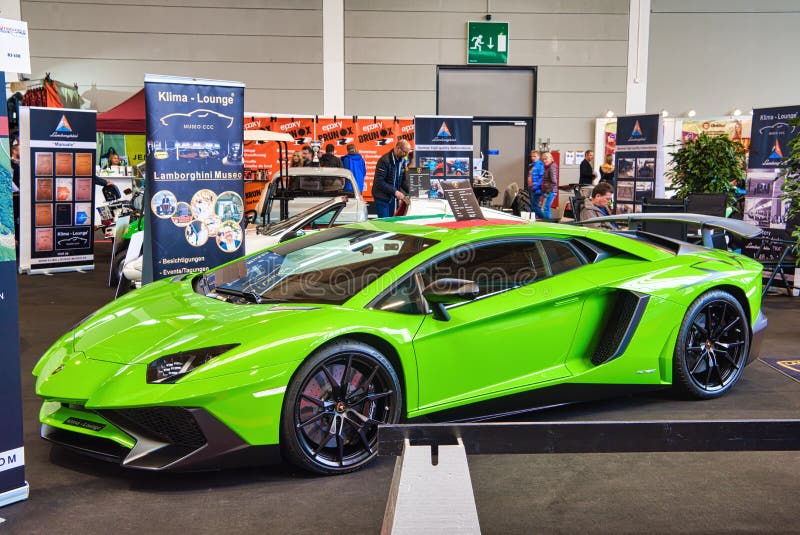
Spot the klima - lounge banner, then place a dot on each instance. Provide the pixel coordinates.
(12, 456)
(194, 174)
(57, 148)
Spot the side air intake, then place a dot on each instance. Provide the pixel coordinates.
(622, 323)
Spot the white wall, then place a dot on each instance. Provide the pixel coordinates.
(107, 46)
(717, 55)
(580, 46)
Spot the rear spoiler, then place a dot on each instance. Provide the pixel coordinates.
(706, 223)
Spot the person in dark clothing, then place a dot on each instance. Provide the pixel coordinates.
(607, 170)
(15, 189)
(388, 184)
(549, 183)
(355, 163)
(587, 173)
(329, 159)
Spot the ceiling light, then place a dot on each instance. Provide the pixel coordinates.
(737, 112)
(751, 112)
(609, 113)
(664, 113)
(691, 113)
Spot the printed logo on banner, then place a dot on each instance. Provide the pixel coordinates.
(444, 131)
(637, 131)
(64, 129)
(777, 153)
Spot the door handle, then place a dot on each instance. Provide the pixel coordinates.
(567, 301)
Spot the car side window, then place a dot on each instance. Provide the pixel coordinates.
(325, 219)
(404, 298)
(495, 267)
(560, 256)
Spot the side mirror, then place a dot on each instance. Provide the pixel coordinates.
(443, 292)
(292, 235)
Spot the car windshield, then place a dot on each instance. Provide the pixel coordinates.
(329, 267)
(318, 186)
(276, 229)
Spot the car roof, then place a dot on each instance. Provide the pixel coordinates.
(489, 229)
(317, 171)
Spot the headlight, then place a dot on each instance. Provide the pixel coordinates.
(170, 368)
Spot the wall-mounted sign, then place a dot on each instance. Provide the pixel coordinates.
(487, 42)
(15, 55)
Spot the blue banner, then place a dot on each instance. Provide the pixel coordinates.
(12, 458)
(58, 163)
(443, 145)
(195, 174)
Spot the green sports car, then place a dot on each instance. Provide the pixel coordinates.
(306, 347)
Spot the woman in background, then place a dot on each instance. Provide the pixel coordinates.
(607, 170)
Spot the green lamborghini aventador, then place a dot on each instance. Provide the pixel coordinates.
(306, 347)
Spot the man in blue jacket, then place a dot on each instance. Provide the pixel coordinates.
(355, 163)
(535, 184)
(387, 186)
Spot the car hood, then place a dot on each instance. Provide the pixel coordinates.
(168, 317)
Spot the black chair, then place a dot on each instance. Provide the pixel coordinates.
(665, 228)
(711, 204)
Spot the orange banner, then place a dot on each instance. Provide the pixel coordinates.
(252, 192)
(373, 137)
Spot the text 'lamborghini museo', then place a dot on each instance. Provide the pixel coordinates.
(306, 347)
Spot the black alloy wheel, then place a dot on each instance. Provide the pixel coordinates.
(712, 346)
(334, 405)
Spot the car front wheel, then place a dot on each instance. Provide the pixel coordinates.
(333, 406)
(712, 346)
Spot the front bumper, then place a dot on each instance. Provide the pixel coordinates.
(759, 328)
(152, 438)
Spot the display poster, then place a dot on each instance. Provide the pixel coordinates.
(195, 188)
(769, 146)
(443, 145)
(462, 200)
(57, 162)
(638, 164)
(12, 456)
(736, 128)
(372, 136)
(419, 181)
(14, 42)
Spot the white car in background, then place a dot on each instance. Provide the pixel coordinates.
(306, 187)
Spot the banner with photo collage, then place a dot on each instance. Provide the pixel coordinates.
(57, 163)
(13, 487)
(637, 141)
(443, 145)
(372, 136)
(769, 146)
(194, 175)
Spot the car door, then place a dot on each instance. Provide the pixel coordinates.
(515, 334)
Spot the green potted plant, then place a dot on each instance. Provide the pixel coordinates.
(791, 186)
(708, 164)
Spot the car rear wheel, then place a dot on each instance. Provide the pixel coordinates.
(333, 405)
(712, 346)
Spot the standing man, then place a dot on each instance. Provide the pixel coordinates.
(535, 184)
(355, 163)
(587, 173)
(329, 159)
(387, 186)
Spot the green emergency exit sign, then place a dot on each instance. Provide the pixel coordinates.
(487, 42)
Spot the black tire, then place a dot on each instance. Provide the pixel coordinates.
(329, 426)
(712, 346)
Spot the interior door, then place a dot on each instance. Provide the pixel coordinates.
(516, 334)
(506, 154)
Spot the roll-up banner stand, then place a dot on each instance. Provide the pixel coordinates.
(13, 487)
(639, 163)
(771, 133)
(195, 175)
(57, 162)
(443, 144)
